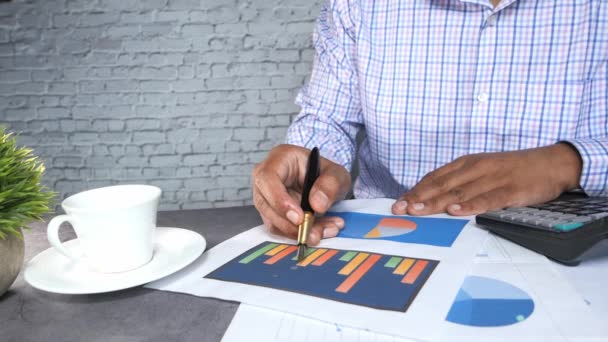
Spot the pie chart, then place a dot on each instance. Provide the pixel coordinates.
(391, 226)
(486, 302)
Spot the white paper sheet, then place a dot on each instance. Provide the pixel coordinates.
(421, 320)
(560, 314)
(284, 327)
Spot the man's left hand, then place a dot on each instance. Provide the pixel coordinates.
(477, 183)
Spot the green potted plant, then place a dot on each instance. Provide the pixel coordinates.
(22, 200)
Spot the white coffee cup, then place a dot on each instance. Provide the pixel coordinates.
(115, 226)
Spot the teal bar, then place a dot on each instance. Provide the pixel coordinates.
(348, 256)
(257, 253)
(393, 262)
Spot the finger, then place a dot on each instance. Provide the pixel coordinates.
(458, 194)
(331, 186)
(272, 189)
(323, 228)
(434, 185)
(492, 200)
(271, 218)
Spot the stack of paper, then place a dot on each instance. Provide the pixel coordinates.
(390, 278)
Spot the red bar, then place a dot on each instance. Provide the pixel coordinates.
(358, 274)
(281, 255)
(414, 272)
(323, 258)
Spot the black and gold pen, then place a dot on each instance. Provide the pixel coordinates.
(312, 173)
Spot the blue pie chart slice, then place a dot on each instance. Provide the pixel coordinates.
(486, 302)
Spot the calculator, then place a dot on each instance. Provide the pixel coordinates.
(562, 229)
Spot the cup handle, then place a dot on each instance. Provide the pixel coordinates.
(52, 234)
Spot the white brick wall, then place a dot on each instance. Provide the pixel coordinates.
(184, 94)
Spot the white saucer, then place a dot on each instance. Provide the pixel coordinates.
(174, 249)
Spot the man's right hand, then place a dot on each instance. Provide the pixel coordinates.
(277, 191)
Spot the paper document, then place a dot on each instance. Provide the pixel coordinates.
(511, 294)
(284, 327)
(372, 279)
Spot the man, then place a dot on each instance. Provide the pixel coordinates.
(467, 106)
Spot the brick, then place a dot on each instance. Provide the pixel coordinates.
(62, 88)
(172, 16)
(199, 183)
(184, 4)
(196, 30)
(99, 18)
(148, 137)
(169, 160)
(154, 86)
(188, 85)
(157, 29)
(138, 17)
(142, 124)
(249, 134)
(54, 112)
(199, 159)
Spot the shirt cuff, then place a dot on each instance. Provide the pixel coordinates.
(594, 173)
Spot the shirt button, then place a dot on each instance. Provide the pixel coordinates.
(483, 97)
(491, 20)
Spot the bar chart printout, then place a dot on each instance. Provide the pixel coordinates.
(362, 278)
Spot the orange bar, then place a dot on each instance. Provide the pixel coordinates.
(312, 257)
(281, 255)
(349, 282)
(404, 266)
(322, 259)
(413, 274)
(346, 270)
(276, 250)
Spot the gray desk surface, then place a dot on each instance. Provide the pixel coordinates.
(136, 314)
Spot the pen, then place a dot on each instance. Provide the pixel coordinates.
(312, 173)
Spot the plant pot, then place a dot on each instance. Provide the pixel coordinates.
(12, 250)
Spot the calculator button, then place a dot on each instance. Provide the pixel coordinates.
(588, 212)
(582, 219)
(493, 214)
(566, 227)
(599, 215)
(543, 213)
(569, 210)
(554, 215)
(566, 217)
(548, 223)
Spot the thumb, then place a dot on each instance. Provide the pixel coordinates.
(331, 186)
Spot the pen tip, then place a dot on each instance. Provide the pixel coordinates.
(301, 252)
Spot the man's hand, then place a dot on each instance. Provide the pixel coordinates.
(477, 183)
(277, 191)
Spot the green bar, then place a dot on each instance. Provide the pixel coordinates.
(257, 253)
(393, 262)
(348, 256)
(308, 252)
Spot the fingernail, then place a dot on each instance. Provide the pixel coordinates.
(293, 217)
(339, 223)
(418, 206)
(455, 207)
(330, 232)
(401, 205)
(321, 199)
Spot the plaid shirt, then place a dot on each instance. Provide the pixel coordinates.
(430, 81)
